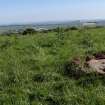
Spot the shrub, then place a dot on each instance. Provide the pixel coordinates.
(73, 28)
(28, 31)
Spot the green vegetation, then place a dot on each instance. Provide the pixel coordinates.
(28, 31)
(32, 68)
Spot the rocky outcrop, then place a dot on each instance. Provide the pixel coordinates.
(92, 64)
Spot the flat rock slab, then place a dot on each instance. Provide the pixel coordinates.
(97, 65)
(92, 63)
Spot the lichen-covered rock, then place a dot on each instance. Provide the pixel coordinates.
(92, 64)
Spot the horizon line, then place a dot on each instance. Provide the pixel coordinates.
(48, 22)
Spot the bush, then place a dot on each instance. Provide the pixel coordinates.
(73, 28)
(28, 31)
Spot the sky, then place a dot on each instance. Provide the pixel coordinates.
(29, 11)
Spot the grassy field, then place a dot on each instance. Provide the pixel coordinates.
(32, 68)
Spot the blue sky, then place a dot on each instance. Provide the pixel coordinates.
(25, 11)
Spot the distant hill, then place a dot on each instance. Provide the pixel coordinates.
(48, 25)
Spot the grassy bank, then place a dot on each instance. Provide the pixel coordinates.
(32, 68)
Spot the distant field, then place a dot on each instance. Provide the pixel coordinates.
(32, 68)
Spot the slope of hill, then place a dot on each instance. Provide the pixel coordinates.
(32, 68)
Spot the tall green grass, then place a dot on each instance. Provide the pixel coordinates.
(32, 68)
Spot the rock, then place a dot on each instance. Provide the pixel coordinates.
(97, 65)
(76, 61)
(100, 55)
(88, 58)
(92, 64)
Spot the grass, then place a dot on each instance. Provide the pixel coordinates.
(32, 68)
